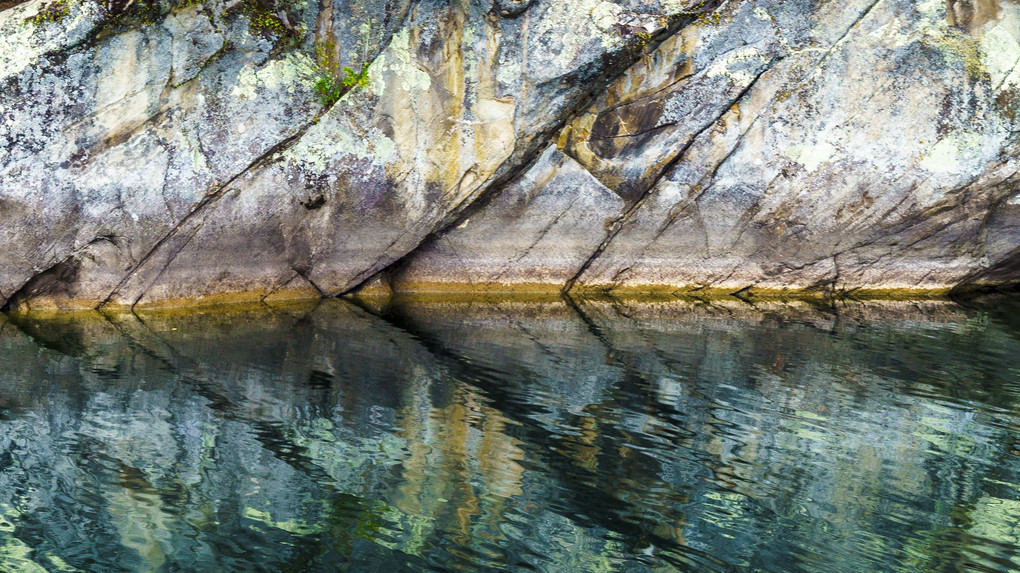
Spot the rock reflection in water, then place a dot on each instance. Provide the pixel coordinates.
(557, 436)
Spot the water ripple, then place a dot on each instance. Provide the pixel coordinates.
(559, 436)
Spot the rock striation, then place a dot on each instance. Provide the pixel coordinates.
(162, 152)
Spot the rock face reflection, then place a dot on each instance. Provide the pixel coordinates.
(556, 436)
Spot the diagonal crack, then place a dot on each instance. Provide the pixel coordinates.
(541, 235)
(378, 266)
(217, 193)
(617, 226)
(835, 45)
(622, 220)
(281, 285)
(508, 173)
(304, 275)
(659, 90)
(195, 212)
(7, 303)
(1008, 75)
(692, 202)
(166, 265)
(635, 134)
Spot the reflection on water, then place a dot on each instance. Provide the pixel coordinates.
(550, 437)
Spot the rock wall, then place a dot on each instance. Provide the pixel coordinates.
(159, 152)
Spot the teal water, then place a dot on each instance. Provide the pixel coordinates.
(560, 436)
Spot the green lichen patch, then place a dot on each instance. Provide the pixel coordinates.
(290, 73)
(953, 43)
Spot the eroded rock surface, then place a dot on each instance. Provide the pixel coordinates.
(158, 152)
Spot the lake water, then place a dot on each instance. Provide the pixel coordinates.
(554, 436)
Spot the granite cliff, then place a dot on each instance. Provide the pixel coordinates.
(154, 152)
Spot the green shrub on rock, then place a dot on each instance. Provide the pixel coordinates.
(352, 79)
(329, 89)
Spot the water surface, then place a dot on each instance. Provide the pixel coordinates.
(560, 436)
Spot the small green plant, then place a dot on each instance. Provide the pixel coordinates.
(263, 21)
(54, 12)
(645, 38)
(703, 17)
(710, 19)
(352, 79)
(327, 85)
(329, 89)
(264, 18)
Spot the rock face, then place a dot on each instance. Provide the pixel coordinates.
(159, 152)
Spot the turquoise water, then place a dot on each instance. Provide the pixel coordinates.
(559, 436)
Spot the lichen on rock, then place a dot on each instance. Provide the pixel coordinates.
(614, 146)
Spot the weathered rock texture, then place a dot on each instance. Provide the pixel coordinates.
(156, 152)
